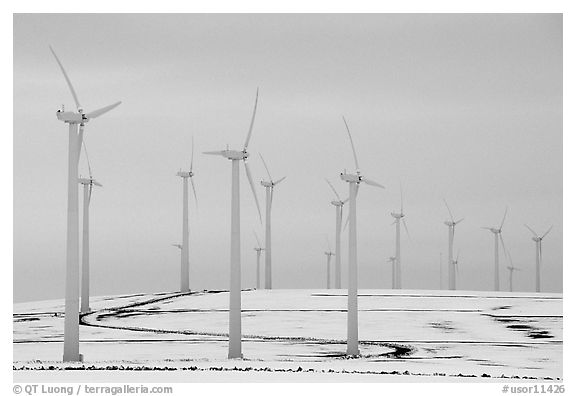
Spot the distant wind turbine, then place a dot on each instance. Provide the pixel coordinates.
(269, 185)
(235, 323)
(397, 283)
(451, 229)
(258, 250)
(88, 185)
(329, 255)
(497, 231)
(511, 268)
(392, 261)
(353, 180)
(456, 269)
(76, 121)
(185, 250)
(538, 240)
(338, 203)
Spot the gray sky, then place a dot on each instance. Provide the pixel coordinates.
(467, 107)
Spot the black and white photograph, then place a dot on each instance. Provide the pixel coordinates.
(287, 197)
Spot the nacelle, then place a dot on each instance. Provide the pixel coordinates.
(71, 117)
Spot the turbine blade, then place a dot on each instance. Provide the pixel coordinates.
(333, 189)
(449, 211)
(99, 112)
(257, 239)
(67, 79)
(504, 218)
(546, 233)
(347, 220)
(271, 195)
(97, 184)
(505, 250)
(266, 167)
(220, 152)
(194, 191)
(251, 121)
(406, 228)
(85, 151)
(346, 200)
(251, 182)
(401, 199)
(531, 230)
(352, 144)
(456, 222)
(372, 183)
(89, 194)
(279, 180)
(192, 154)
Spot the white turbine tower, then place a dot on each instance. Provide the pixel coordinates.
(397, 283)
(353, 180)
(87, 185)
(338, 203)
(258, 250)
(185, 250)
(538, 240)
(392, 261)
(235, 323)
(269, 186)
(76, 121)
(451, 229)
(511, 268)
(497, 237)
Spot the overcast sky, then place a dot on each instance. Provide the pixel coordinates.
(462, 106)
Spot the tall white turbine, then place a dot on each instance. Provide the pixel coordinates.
(258, 250)
(235, 322)
(538, 240)
(392, 261)
(397, 258)
(269, 186)
(353, 180)
(497, 237)
(451, 229)
(511, 270)
(76, 121)
(87, 185)
(338, 203)
(185, 250)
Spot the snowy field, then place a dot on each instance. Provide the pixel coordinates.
(299, 335)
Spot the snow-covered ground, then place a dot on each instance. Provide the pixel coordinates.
(424, 334)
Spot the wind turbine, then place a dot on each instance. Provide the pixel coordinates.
(338, 203)
(88, 185)
(76, 121)
(258, 250)
(397, 217)
(353, 180)
(329, 253)
(511, 268)
(538, 240)
(235, 323)
(456, 266)
(451, 228)
(269, 185)
(392, 260)
(497, 236)
(185, 250)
